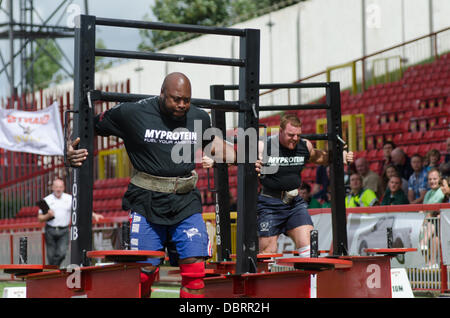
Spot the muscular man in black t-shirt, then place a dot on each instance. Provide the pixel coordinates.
(280, 209)
(161, 136)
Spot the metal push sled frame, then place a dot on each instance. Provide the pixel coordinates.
(338, 275)
(247, 107)
(53, 283)
(122, 278)
(335, 143)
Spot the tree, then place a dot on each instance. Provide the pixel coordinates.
(200, 12)
(46, 64)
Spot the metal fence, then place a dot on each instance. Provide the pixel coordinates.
(432, 276)
(358, 75)
(106, 236)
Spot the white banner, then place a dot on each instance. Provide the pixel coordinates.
(38, 132)
(370, 231)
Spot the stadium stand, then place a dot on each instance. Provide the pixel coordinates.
(413, 112)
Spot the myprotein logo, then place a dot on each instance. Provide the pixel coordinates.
(170, 137)
(185, 143)
(286, 161)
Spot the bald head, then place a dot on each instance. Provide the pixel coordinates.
(176, 79)
(58, 187)
(398, 156)
(362, 166)
(176, 95)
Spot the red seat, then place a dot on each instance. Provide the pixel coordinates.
(412, 149)
(371, 155)
(375, 166)
(424, 148)
(233, 192)
(398, 139)
(233, 181)
(428, 136)
(27, 211)
(441, 135)
(442, 123)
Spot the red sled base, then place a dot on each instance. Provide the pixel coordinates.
(323, 277)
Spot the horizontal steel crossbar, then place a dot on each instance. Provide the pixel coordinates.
(315, 136)
(169, 57)
(169, 27)
(283, 85)
(97, 95)
(293, 107)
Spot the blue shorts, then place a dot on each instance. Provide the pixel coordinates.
(275, 217)
(188, 238)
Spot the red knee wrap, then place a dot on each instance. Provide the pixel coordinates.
(147, 280)
(192, 275)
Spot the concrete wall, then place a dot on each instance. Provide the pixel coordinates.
(304, 39)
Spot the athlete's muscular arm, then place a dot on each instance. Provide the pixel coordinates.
(317, 156)
(102, 121)
(320, 157)
(222, 151)
(258, 163)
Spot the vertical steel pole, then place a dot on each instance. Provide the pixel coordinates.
(11, 51)
(247, 238)
(23, 250)
(222, 194)
(83, 127)
(336, 162)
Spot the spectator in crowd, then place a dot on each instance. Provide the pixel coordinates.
(305, 193)
(394, 194)
(390, 171)
(320, 187)
(359, 196)
(435, 194)
(327, 202)
(446, 189)
(388, 146)
(432, 159)
(447, 155)
(445, 165)
(418, 181)
(430, 236)
(57, 219)
(402, 162)
(371, 180)
(445, 169)
(55, 211)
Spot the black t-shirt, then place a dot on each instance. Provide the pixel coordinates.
(406, 170)
(149, 137)
(290, 164)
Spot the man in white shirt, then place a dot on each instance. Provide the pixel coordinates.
(58, 221)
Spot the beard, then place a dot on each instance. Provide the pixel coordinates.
(168, 113)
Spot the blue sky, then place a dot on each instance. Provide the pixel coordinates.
(112, 37)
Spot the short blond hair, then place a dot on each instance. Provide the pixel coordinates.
(291, 119)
